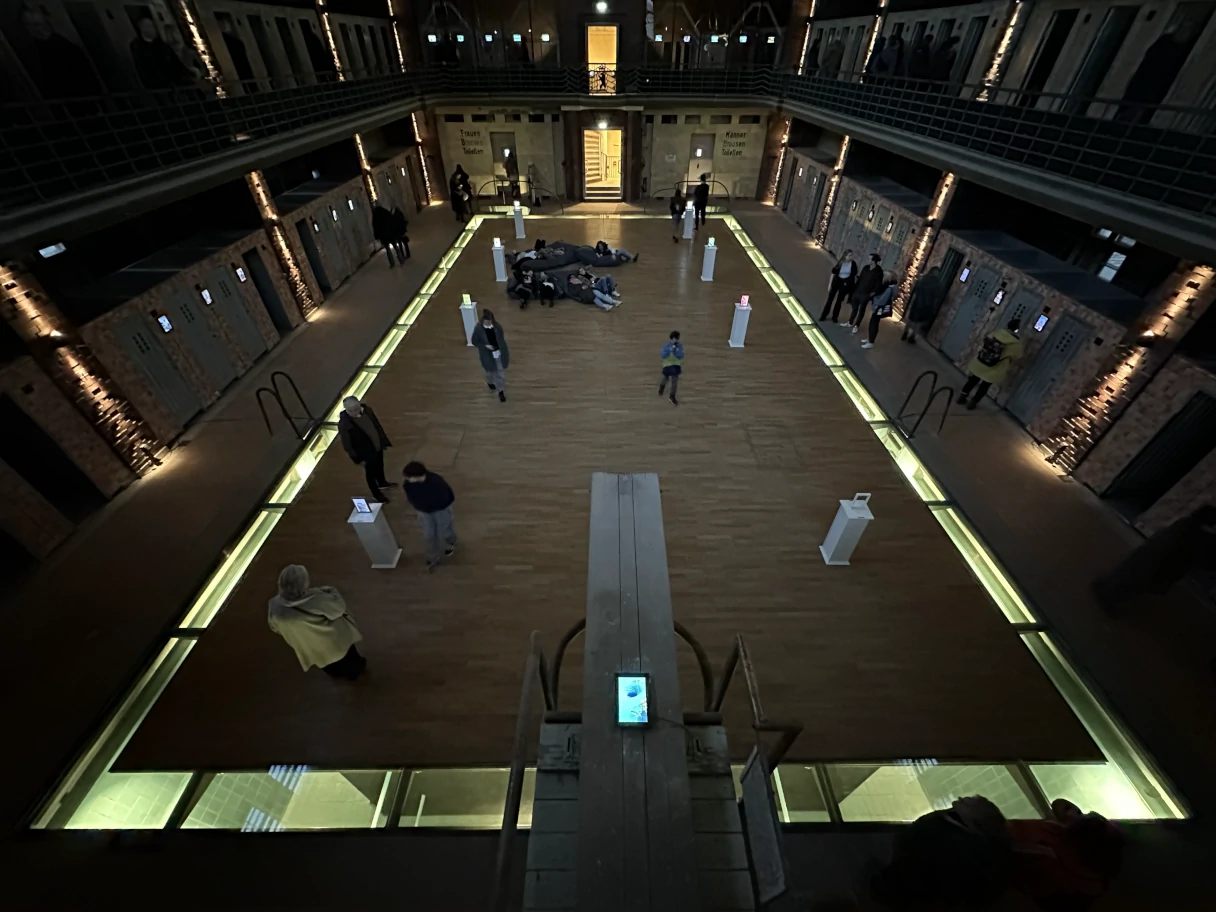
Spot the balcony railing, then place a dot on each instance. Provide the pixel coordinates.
(50, 150)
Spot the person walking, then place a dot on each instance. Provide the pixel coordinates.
(364, 440)
(315, 624)
(869, 283)
(382, 231)
(462, 196)
(677, 213)
(700, 200)
(883, 305)
(844, 279)
(997, 354)
(922, 307)
(673, 365)
(432, 497)
(491, 343)
(401, 239)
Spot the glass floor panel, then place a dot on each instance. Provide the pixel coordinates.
(471, 798)
(892, 793)
(293, 798)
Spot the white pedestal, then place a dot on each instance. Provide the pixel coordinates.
(690, 222)
(519, 221)
(376, 536)
(468, 313)
(851, 520)
(738, 329)
(500, 263)
(707, 265)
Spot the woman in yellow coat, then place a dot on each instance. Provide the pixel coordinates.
(997, 354)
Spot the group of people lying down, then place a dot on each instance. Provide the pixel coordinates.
(544, 274)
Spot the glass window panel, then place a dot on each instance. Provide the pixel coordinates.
(292, 798)
(984, 566)
(860, 398)
(129, 801)
(904, 791)
(1100, 787)
(799, 799)
(1122, 753)
(463, 798)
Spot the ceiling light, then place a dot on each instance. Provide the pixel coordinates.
(432, 39)
(601, 7)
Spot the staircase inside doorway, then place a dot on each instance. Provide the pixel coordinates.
(602, 165)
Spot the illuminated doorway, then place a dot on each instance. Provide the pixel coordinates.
(601, 59)
(602, 165)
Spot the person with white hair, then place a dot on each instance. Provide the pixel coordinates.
(315, 624)
(364, 440)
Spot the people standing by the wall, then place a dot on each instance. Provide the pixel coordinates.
(877, 64)
(893, 57)
(492, 351)
(1163, 61)
(672, 359)
(920, 60)
(941, 65)
(364, 440)
(382, 231)
(319, 58)
(189, 59)
(677, 213)
(59, 68)
(844, 279)
(832, 58)
(155, 63)
(401, 239)
(534, 185)
(997, 354)
(316, 625)
(700, 201)
(883, 305)
(432, 498)
(869, 283)
(923, 304)
(458, 190)
(811, 66)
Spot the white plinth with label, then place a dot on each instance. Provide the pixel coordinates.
(690, 222)
(500, 261)
(738, 328)
(468, 313)
(376, 536)
(707, 264)
(851, 520)
(519, 221)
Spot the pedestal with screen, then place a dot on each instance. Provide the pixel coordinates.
(851, 520)
(376, 536)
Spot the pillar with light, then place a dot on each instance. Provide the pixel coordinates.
(707, 264)
(738, 328)
(690, 221)
(519, 220)
(500, 260)
(468, 314)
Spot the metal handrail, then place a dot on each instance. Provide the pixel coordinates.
(534, 670)
(789, 731)
(654, 194)
(499, 181)
(273, 391)
(934, 389)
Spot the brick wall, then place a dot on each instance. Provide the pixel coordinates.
(28, 517)
(36, 395)
(353, 248)
(1170, 390)
(850, 227)
(1082, 368)
(803, 189)
(394, 187)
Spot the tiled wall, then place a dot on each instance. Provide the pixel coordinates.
(1082, 368)
(1169, 391)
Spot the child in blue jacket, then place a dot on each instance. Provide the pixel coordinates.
(673, 365)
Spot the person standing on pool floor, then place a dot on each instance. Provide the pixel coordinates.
(432, 497)
(364, 440)
(492, 350)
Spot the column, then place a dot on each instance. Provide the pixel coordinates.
(821, 233)
(924, 242)
(304, 287)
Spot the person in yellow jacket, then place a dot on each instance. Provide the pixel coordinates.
(997, 354)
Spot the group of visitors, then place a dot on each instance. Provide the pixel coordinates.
(389, 229)
(969, 856)
(891, 59)
(679, 203)
(862, 288)
(551, 271)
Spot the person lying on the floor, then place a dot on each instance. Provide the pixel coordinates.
(528, 286)
(602, 248)
(605, 284)
(582, 288)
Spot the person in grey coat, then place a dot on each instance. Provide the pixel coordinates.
(491, 343)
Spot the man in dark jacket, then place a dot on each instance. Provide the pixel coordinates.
(700, 200)
(844, 280)
(492, 351)
(432, 497)
(365, 442)
(922, 307)
(382, 230)
(869, 283)
(401, 238)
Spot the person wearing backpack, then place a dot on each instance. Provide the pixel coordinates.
(997, 354)
(883, 306)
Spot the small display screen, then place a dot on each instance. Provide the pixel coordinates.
(206, 296)
(361, 505)
(1000, 296)
(240, 273)
(632, 699)
(965, 274)
(164, 323)
(1041, 323)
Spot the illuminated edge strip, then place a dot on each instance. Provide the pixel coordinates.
(1098, 720)
(224, 580)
